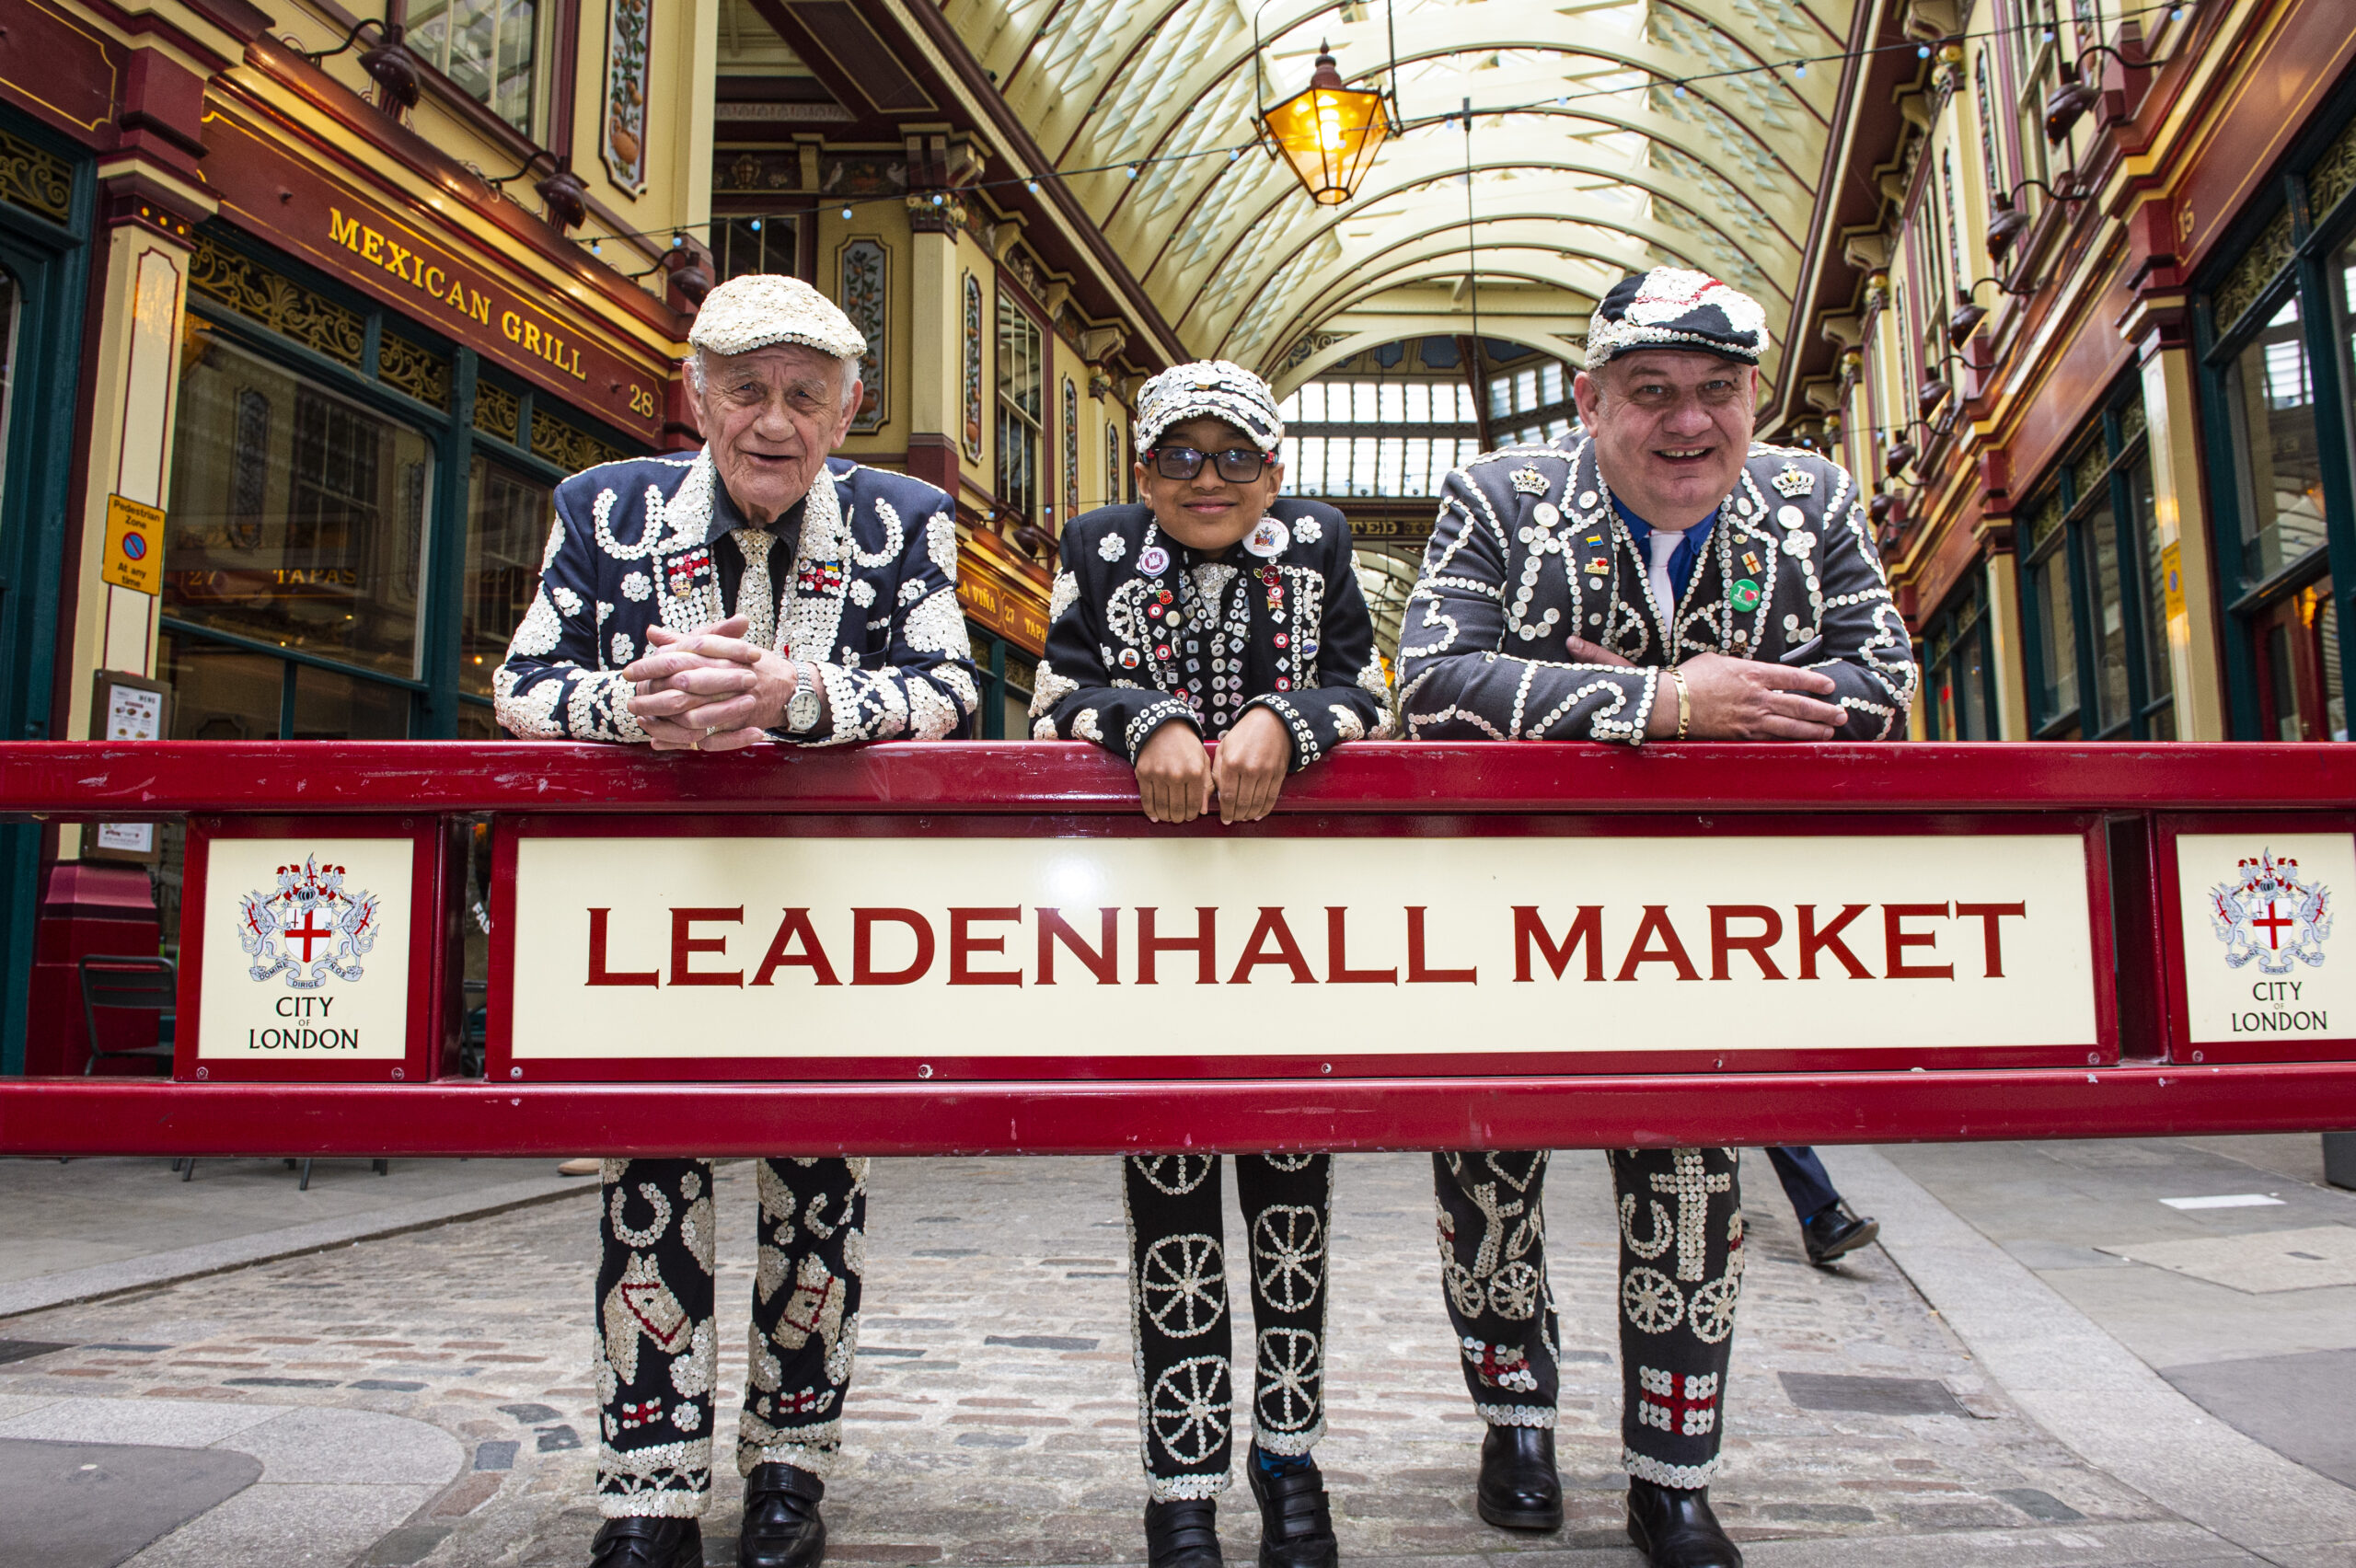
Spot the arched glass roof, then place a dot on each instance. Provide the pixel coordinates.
(1604, 138)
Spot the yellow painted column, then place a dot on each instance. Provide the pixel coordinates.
(2004, 577)
(2181, 515)
(137, 379)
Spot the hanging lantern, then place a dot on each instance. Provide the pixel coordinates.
(1329, 132)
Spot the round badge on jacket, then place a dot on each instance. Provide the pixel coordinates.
(1153, 560)
(1268, 540)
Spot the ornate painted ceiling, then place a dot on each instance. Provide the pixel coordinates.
(1603, 140)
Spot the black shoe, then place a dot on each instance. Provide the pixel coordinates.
(782, 1525)
(1676, 1529)
(1519, 1489)
(1182, 1533)
(1296, 1526)
(648, 1543)
(1833, 1230)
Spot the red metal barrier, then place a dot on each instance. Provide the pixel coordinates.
(1454, 946)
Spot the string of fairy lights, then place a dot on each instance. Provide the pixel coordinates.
(1681, 86)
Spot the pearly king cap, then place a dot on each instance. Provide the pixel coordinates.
(761, 308)
(1670, 308)
(1219, 388)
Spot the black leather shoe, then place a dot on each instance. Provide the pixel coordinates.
(1182, 1533)
(1676, 1529)
(1296, 1526)
(1832, 1231)
(782, 1525)
(648, 1543)
(1519, 1489)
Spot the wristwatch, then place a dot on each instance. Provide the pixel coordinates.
(808, 703)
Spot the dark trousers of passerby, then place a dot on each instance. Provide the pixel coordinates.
(1804, 1180)
(1179, 1310)
(1681, 1271)
(656, 1337)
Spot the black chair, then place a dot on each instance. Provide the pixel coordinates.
(132, 984)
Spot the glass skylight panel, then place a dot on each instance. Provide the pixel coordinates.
(1392, 400)
(1419, 402)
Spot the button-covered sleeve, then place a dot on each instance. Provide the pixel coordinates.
(551, 685)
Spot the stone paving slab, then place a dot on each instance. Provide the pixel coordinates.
(994, 1418)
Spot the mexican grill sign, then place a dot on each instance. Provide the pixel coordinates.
(671, 949)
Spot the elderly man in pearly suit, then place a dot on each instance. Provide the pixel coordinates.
(756, 593)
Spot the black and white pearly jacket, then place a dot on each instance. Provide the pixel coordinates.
(1143, 633)
(1529, 551)
(870, 601)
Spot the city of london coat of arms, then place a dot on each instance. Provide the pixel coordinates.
(2271, 915)
(311, 929)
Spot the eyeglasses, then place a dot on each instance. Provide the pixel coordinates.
(1237, 464)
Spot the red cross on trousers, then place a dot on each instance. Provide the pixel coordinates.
(1679, 1408)
(308, 932)
(2274, 924)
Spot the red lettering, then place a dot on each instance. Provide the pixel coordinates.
(796, 927)
(1991, 940)
(686, 944)
(964, 943)
(1723, 941)
(1103, 961)
(598, 974)
(1204, 945)
(1586, 931)
(1642, 952)
(1898, 940)
(862, 931)
(1338, 958)
(1270, 928)
(1813, 941)
(1419, 973)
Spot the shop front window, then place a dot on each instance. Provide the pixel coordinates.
(508, 517)
(2097, 639)
(2300, 693)
(1956, 663)
(8, 306)
(488, 49)
(2053, 624)
(297, 516)
(2159, 672)
(2270, 399)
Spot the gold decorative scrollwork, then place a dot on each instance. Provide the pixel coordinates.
(2265, 258)
(498, 411)
(420, 372)
(262, 296)
(2333, 177)
(34, 178)
(572, 450)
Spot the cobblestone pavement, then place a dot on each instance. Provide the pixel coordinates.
(994, 1416)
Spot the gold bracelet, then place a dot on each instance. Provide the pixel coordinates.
(1684, 706)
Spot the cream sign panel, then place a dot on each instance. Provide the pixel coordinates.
(306, 947)
(2260, 963)
(686, 948)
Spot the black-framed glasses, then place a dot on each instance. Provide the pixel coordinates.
(1237, 464)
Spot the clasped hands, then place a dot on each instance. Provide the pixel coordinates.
(708, 689)
(1177, 778)
(1735, 700)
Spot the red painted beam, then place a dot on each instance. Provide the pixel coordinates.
(80, 779)
(101, 1116)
